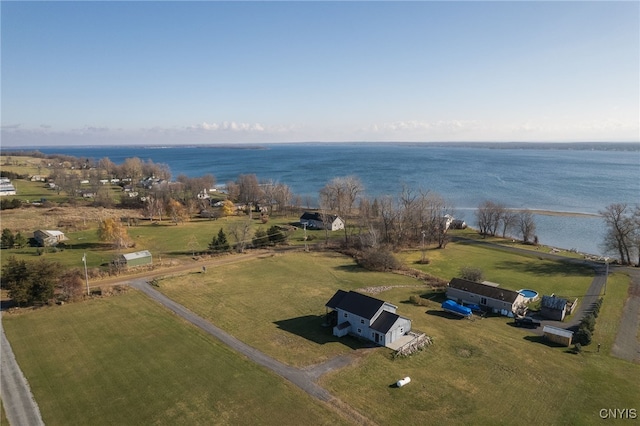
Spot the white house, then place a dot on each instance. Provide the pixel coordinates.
(485, 295)
(315, 221)
(6, 187)
(366, 317)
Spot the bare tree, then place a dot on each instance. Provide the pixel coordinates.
(241, 232)
(508, 220)
(489, 215)
(622, 230)
(526, 225)
(132, 169)
(340, 196)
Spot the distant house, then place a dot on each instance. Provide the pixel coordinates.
(367, 317)
(132, 260)
(37, 178)
(556, 308)
(315, 221)
(49, 238)
(458, 224)
(487, 296)
(6, 187)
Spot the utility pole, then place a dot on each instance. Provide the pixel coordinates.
(304, 226)
(606, 275)
(86, 275)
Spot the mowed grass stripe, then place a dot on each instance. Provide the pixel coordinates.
(126, 360)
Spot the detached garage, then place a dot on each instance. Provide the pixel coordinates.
(132, 260)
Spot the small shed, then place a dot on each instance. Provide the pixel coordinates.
(49, 237)
(557, 335)
(132, 260)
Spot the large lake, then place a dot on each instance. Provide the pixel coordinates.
(559, 180)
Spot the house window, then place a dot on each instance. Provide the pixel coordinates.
(483, 300)
(361, 321)
(346, 315)
(359, 331)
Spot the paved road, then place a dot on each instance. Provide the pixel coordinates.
(19, 404)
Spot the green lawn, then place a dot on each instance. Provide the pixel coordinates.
(282, 298)
(511, 271)
(126, 360)
(480, 372)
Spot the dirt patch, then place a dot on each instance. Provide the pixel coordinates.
(31, 218)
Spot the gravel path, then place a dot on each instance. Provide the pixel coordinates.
(626, 345)
(19, 404)
(303, 378)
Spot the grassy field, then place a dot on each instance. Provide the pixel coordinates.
(125, 360)
(165, 239)
(282, 298)
(511, 271)
(483, 371)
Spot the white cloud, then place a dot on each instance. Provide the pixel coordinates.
(228, 126)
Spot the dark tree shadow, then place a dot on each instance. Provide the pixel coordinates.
(86, 246)
(444, 314)
(548, 268)
(7, 304)
(350, 268)
(315, 329)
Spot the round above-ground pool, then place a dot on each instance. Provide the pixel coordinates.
(529, 295)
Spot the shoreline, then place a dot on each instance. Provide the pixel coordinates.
(557, 213)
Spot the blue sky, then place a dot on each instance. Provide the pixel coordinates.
(213, 72)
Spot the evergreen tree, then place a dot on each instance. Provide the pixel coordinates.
(32, 282)
(219, 242)
(19, 240)
(7, 240)
(276, 236)
(260, 239)
(223, 243)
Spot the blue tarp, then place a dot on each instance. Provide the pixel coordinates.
(454, 308)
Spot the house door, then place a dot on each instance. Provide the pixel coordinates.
(377, 339)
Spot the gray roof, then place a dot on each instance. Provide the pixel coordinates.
(384, 321)
(137, 255)
(355, 303)
(553, 302)
(485, 290)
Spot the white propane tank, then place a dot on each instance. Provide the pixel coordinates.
(400, 383)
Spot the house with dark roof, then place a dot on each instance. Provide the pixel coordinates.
(367, 317)
(488, 296)
(320, 221)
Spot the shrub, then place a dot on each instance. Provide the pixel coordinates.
(596, 307)
(379, 259)
(582, 337)
(417, 300)
(577, 348)
(588, 323)
(471, 273)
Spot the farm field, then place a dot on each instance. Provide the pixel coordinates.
(125, 360)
